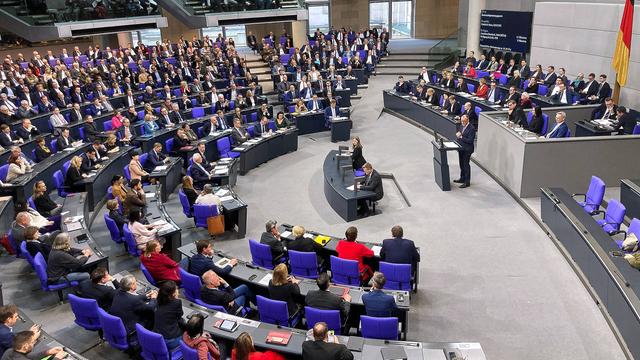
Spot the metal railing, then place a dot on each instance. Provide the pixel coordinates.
(448, 44)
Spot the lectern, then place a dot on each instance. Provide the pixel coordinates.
(440, 162)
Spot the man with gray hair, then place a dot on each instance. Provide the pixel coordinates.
(376, 302)
(132, 307)
(5, 115)
(271, 237)
(561, 129)
(321, 349)
(25, 111)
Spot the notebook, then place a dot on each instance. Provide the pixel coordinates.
(278, 337)
(355, 343)
(338, 290)
(393, 353)
(322, 239)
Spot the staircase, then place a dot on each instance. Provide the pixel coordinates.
(408, 63)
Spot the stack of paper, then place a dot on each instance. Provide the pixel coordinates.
(350, 187)
(376, 250)
(149, 195)
(286, 234)
(221, 192)
(160, 168)
(226, 198)
(265, 280)
(238, 149)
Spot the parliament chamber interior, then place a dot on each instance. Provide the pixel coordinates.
(319, 179)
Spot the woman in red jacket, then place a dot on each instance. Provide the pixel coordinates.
(482, 90)
(159, 265)
(243, 349)
(469, 70)
(351, 250)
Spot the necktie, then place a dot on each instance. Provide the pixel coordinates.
(561, 95)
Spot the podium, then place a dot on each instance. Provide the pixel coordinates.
(340, 129)
(441, 164)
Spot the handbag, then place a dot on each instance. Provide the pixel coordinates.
(215, 225)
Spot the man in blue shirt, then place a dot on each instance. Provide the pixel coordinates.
(376, 302)
(8, 318)
(202, 262)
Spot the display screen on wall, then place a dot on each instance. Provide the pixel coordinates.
(506, 30)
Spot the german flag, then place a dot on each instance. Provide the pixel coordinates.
(623, 45)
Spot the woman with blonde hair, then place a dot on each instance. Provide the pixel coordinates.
(45, 206)
(74, 174)
(283, 287)
(159, 265)
(111, 144)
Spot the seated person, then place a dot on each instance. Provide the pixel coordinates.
(65, 140)
(216, 291)
(376, 302)
(272, 238)
(372, 182)
(351, 250)
(136, 170)
(90, 130)
(89, 161)
(17, 168)
(537, 121)
(132, 307)
(300, 107)
(34, 245)
(142, 233)
(516, 114)
(239, 134)
(8, 318)
(24, 343)
(118, 189)
(115, 215)
(201, 175)
(324, 299)
(243, 349)
(196, 338)
(315, 104)
(203, 261)
(189, 191)
(482, 89)
(155, 158)
(321, 348)
(98, 288)
(7, 137)
(399, 250)
(27, 131)
(284, 287)
(560, 130)
(42, 150)
(65, 263)
(135, 199)
(626, 122)
(45, 206)
(302, 243)
(168, 316)
(160, 266)
(262, 128)
(401, 86)
(281, 121)
(111, 144)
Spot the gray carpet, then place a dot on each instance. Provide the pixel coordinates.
(488, 272)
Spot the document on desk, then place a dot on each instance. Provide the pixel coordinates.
(221, 192)
(222, 171)
(450, 145)
(73, 226)
(165, 228)
(149, 195)
(376, 250)
(308, 236)
(239, 320)
(350, 187)
(226, 198)
(238, 149)
(224, 160)
(265, 280)
(285, 234)
(160, 168)
(158, 223)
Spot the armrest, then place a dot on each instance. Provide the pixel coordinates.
(619, 232)
(598, 212)
(585, 196)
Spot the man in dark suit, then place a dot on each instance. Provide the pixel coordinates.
(203, 262)
(604, 90)
(451, 106)
(372, 182)
(262, 127)
(324, 299)
(99, 289)
(376, 302)
(126, 131)
(27, 131)
(201, 149)
(471, 114)
(560, 130)
(606, 110)
(271, 237)
(516, 114)
(239, 134)
(90, 130)
(199, 173)
(75, 115)
(524, 69)
(564, 95)
(132, 307)
(401, 86)
(399, 250)
(321, 349)
(626, 121)
(512, 95)
(466, 136)
(155, 158)
(7, 137)
(550, 79)
(89, 161)
(8, 318)
(64, 140)
(332, 111)
(174, 114)
(212, 126)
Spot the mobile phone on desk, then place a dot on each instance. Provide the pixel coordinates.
(82, 238)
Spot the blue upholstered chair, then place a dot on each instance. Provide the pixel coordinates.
(276, 312)
(41, 270)
(379, 328)
(613, 217)
(224, 148)
(153, 346)
(114, 231)
(130, 240)
(114, 332)
(331, 317)
(86, 313)
(184, 201)
(344, 271)
(202, 212)
(398, 275)
(261, 255)
(593, 197)
(634, 228)
(303, 264)
(191, 285)
(147, 275)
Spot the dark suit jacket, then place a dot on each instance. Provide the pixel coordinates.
(25, 134)
(515, 97)
(326, 300)
(468, 136)
(6, 338)
(402, 88)
(199, 176)
(379, 304)
(154, 160)
(518, 117)
(237, 138)
(103, 294)
(277, 247)
(399, 251)
(357, 160)
(221, 296)
(374, 184)
(559, 132)
(132, 129)
(536, 125)
(5, 141)
(454, 108)
(320, 350)
(199, 264)
(90, 131)
(473, 117)
(549, 81)
(600, 111)
(627, 123)
(132, 309)
(88, 164)
(257, 129)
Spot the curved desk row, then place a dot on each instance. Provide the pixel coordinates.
(257, 279)
(630, 197)
(370, 349)
(338, 175)
(612, 281)
(155, 212)
(259, 150)
(76, 222)
(27, 148)
(45, 341)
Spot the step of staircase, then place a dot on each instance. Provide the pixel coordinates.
(413, 57)
(407, 64)
(396, 71)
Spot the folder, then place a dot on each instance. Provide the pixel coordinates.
(278, 337)
(322, 239)
(393, 353)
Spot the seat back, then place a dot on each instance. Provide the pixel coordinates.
(543, 90)
(595, 194)
(273, 311)
(260, 254)
(379, 328)
(25, 253)
(107, 125)
(54, 146)
(168, 144)
(344, 271)
(224, 145)
(636, 130)
(127, 174)
(191, 285)
(197, 112)
(32, 204)
(4, 169)
(303, 264)
(398, 275)
(615, 213)
(212, 307)
(81, 132)
(143, 159)
(58, 180)
(86, 312)
(114, 231)
(529, 117)
(190, 353)
(152, 344)
(113, 330)
(331, 317)
(203, 212)
(184, 201)
(545, 124)
(40, 266)
(132, 247)
(634, 227)
(147, 274)
(471, 88)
